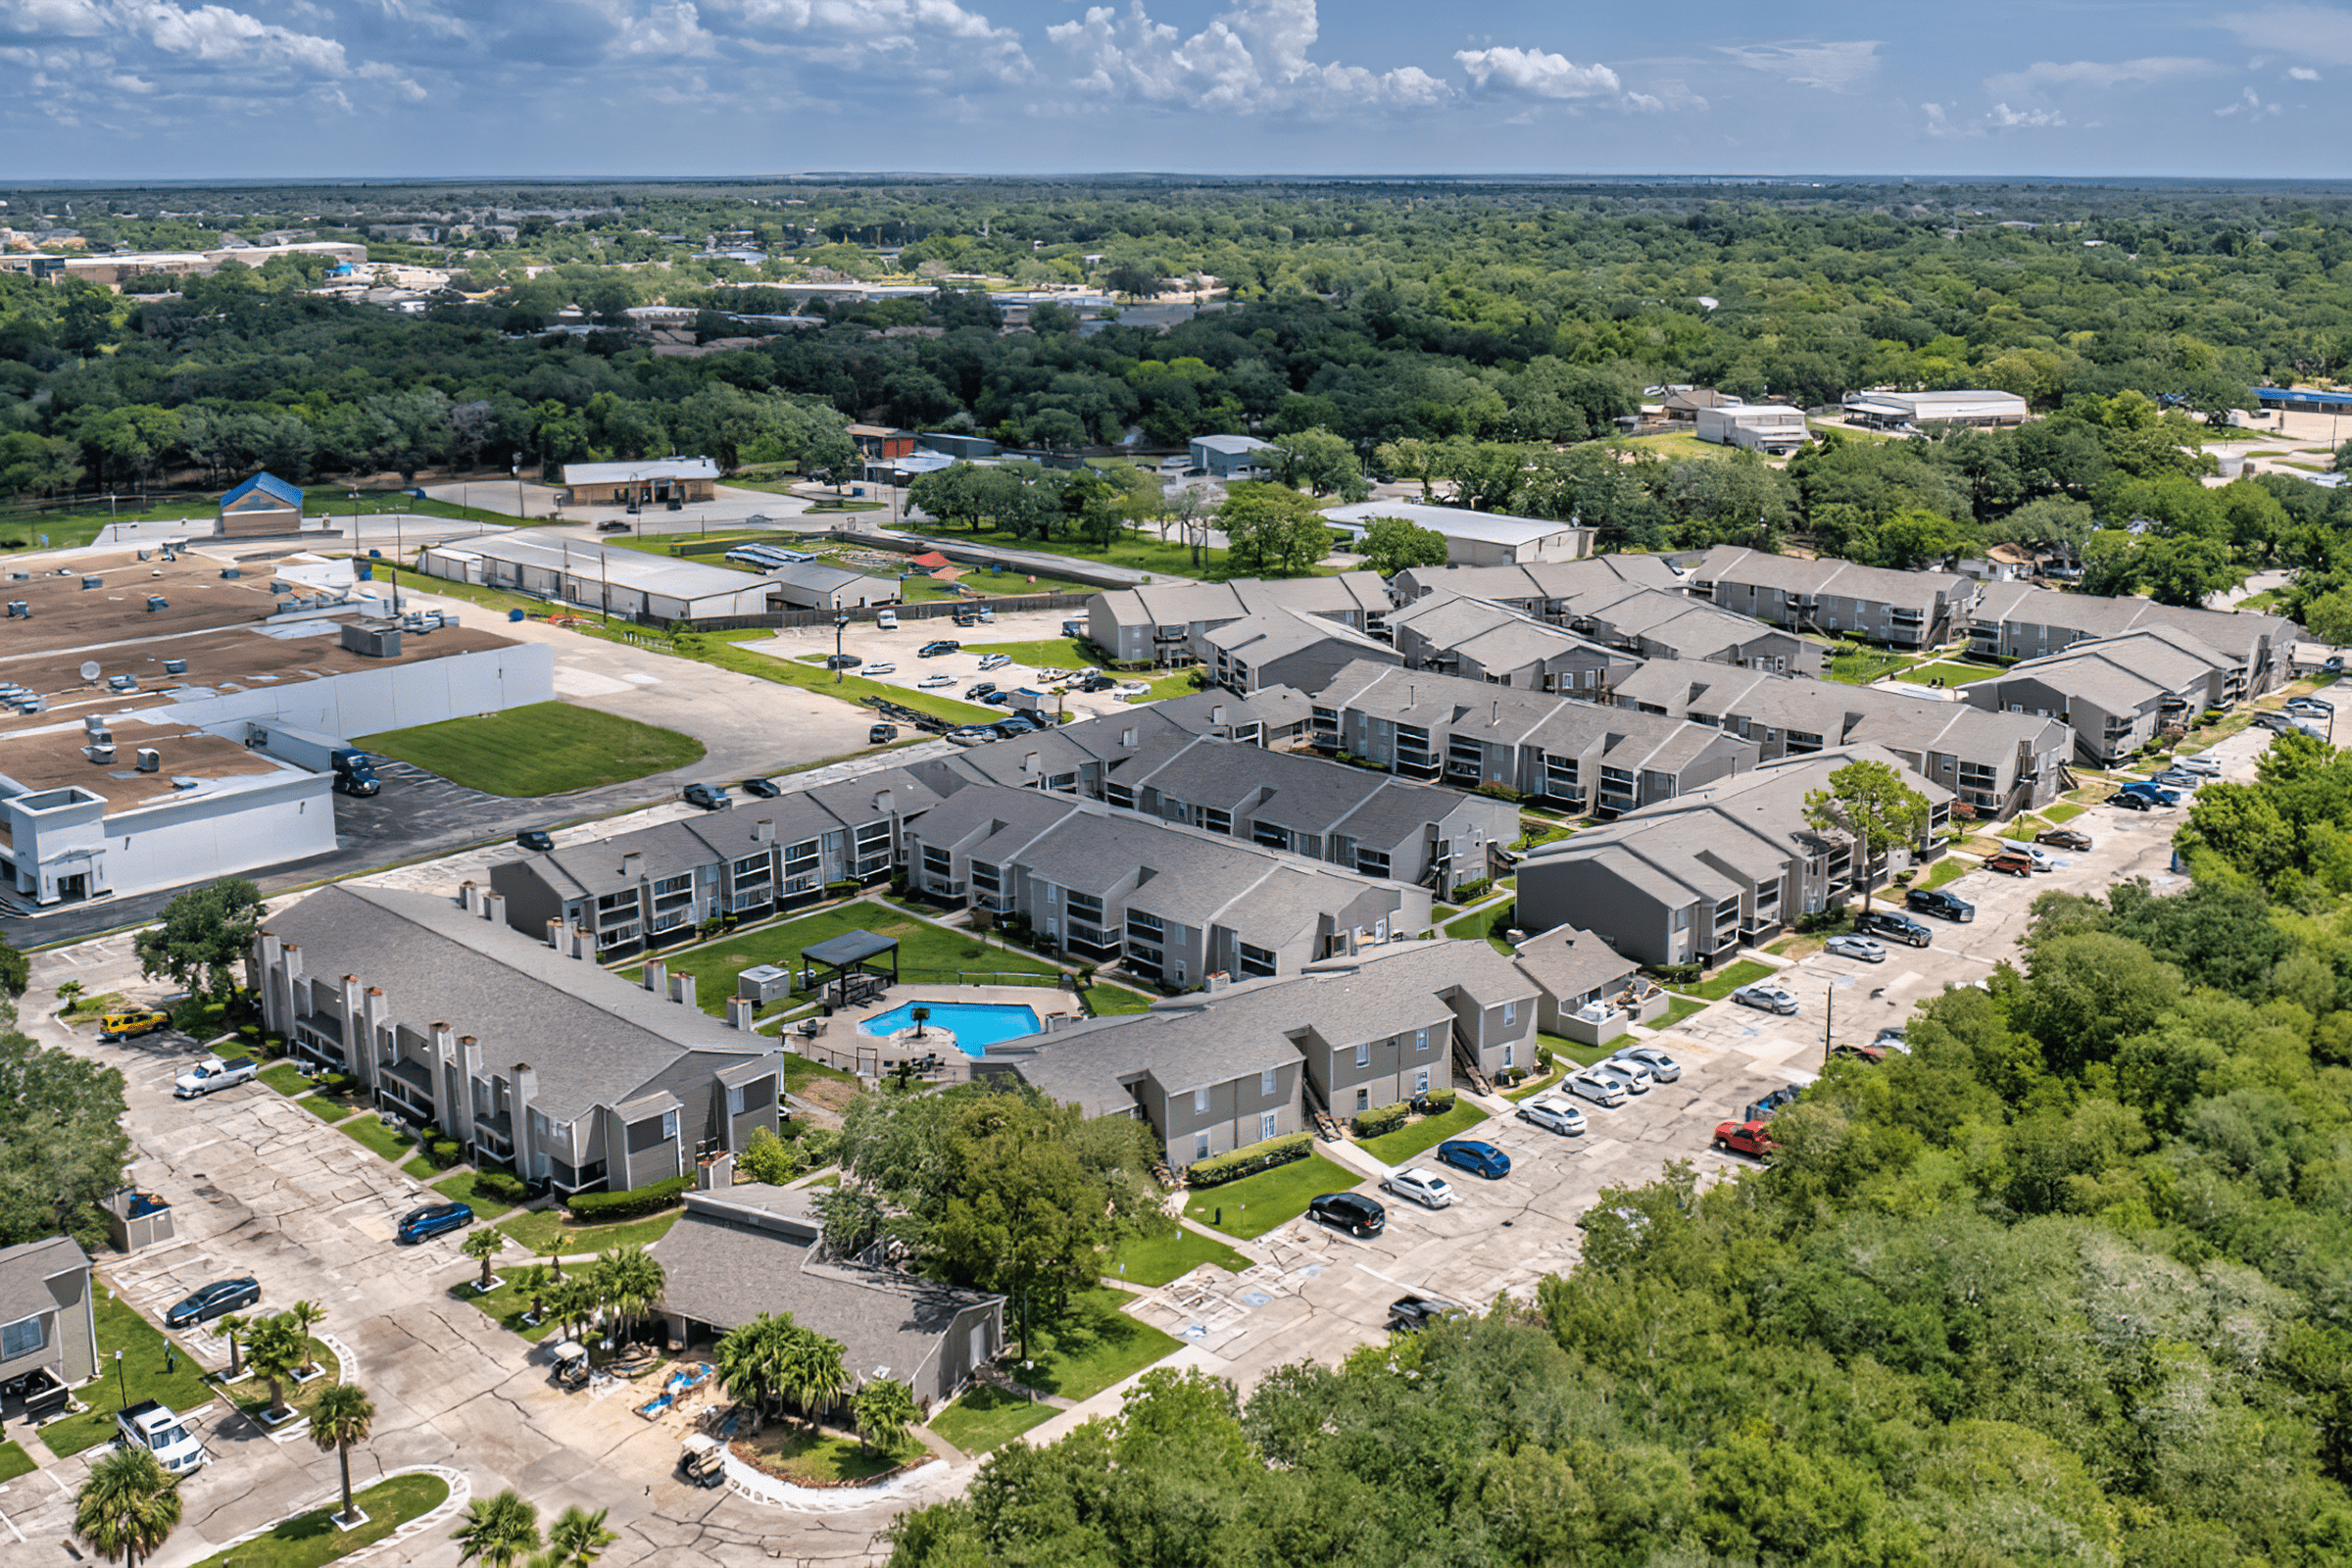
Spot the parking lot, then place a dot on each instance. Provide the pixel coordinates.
(898, 648)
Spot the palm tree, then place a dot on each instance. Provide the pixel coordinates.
(751, 1357)
(884, 1410)
(128, 1506)
(341, 1417)
(533, 1284)
(483, 1245)
(921, 1016)
(814, 1372)
(307, 1315)
(632, 1282)
(500, 1530)
(231, 1326)
(575, 1301)
(577, 1537)
(276, 1345)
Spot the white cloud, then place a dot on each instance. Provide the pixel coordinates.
(2249, 105)
(1252, 59)
(2045, 75)
(1536, 74)
(2316, 32)
(2006, 116)
(72, 19)
(2302, 73)
(1810, 62)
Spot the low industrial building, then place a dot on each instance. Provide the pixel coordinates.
(262, 507)
(530, 1055)
(1229, 457)
(1475, 538)
(1771, 427)
(547, 563)
(1917, 411)
(744, 1249)
(652, 482)
(1838, 598)
(1732, 865)
(1234, 1065)
(813, 585)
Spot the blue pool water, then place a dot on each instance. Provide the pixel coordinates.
(976, 1025)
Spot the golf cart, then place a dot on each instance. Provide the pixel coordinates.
(703, 1461)
(572, 1364)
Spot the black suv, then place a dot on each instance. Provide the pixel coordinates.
(945, 644)
(1350, 1211)
(1409, 1312)
(1897, 927)
(709, 797)
(1937, 902)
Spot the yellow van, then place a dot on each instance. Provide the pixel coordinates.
(129, 1025)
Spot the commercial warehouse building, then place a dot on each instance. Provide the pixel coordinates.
(547, 563)
(1475, 538)
(1916, 410)
(1772, 427)
(657, 481)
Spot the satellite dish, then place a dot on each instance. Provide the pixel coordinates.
(89, 669)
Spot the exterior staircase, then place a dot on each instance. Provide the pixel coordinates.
(1465, 1062)
(1318, 1113)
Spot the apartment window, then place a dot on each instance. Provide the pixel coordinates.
(1200, 1102)
(1507, 1050)
(1199, 1145)
(984, 876)
(752, 865)
(1327, 722)
(672, 919)
(1371, 863)
(1084, 907)
(938, 862)
(1363, 1053)
(1119, 795)
(23, 1337)
(1420, 1039)
(1256, 960)
(1266, 1080)
(1421, 1082)
(1141, 926)
(683, 882)
(1272, 835)
(1268, 1126)
(669, 1126)
(1215, 819)
(734, 1100)
(1510, 1012)
(1364, 1100)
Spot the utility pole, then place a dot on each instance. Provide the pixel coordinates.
(1828, 1020)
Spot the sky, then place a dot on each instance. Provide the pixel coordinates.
(354, 89)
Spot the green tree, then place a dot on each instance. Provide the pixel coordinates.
(1390, 544)
(577, 1537)
(811, 1372)
(884, 1410)
(307, 1315)
(1321, 462)
(61, 1144)
(2329, 617)
(127, 1506)
(277, 1348)
(206, 932)
(501, 1530)
(341, 1417)
(751, 1359)
(768, 1158)
(632, 1282)
(231, 1326)
(482, 1246)
(1271, 529)
(1870, 804)
(15, 973)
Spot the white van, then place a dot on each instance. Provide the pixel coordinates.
(888, 620)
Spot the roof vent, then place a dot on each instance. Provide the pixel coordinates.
(156, 602)
(18, 610)
(150, 760)
(101, 754)
(175, 667)
(93, 582)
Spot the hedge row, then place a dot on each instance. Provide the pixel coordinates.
(650, 1199)
(1218, 1169)
(498, 1184)
(1379, 1119)
(1438, 1102)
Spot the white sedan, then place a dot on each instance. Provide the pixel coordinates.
(1853, 947)
(2044, 859)
(1766, 995)
(1662, 1067)
(1424, 1187)
(1599, 1088)
(1131, 688)
(1631, 1074)
(880, 670)
(1554, 1113)
(934, 682)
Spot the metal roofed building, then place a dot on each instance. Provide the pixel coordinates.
(654, 481)
(813, 585)
(1475, 538)
(1229, 457)
(528, 1054)
(1728, 865)
(1773, 427)
(262, 507)
(744, 1249)
(1217, 1070)
(1836, 597)
(547, 564)
(1912, 411)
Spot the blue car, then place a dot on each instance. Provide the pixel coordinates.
(435, 1219)
(2156, 793)
(1477, 1157)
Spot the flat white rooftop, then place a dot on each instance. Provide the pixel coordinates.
(1456, 522)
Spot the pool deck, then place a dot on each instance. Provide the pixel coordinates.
(841, 1046)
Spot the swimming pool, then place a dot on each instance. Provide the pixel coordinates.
(975, 1025)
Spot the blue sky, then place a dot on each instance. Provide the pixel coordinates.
(360, 88)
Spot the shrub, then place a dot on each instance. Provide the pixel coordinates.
(820, 1146)
(1467, 892)
(1677, 974)
(841, 890)
(1545, 1058)
(650, 1199)
(1379, 1119)
(768, 1158)
(1438, 1102)
(1498, 792)
(1218, 1169)
(501, 1186)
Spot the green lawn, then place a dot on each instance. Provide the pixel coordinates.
(1951, 868)
(1106, 1001)
(2021, 828)
(1746, 972)
(506, 1303)
(726, 650)
(1055, 653)
(1158, 1259)
(1395, 1148)
(1091, 1345)
(818, 1458)
(377, 1136)
(1583, 1056)
(309, 1539)
(326, 1108)
(800, 1072)
(253, 1394)
(545, 1230)
(2062, 812)
(15, 1463)
(1178, 684)
(538, 749)
(1951, 674)
(282, 1077)
(1863, 668)
(927, 953)
(1676, 1010)
(1487, 923)
(463, 1188)
(1538, 1083)
(493, 599)
(988, 1418)
(1258, 1203)
(143, 1377)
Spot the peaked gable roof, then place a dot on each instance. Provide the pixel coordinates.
(268, 484)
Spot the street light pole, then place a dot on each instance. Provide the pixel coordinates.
(841, 624)
(1829, 1019)
(121, 1386)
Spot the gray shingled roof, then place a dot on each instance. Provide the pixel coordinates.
(1567, 961)
(1843, 578)
(24, 1270)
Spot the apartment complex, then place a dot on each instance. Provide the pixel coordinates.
(1728, 865)
(1169, 623)
(1285, 647)
(1218, 1070)
(1480, 640)
(2015, 620)
(2115, 694)
(1836, 597)
(527, 1053)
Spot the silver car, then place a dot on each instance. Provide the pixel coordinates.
(1663, 1068)
(1553, 1112)
(1767, 995)
(1424, 1187)
(1853, 947)
(1599, 1088)
(1631, 1074)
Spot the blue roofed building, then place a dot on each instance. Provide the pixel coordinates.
(262, 507)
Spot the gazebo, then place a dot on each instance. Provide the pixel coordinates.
(851, 961)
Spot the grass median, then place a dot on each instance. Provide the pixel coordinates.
(988, 1417)
(726, 650)
(311, 1539)
(1256, 1204)
(1158, 1259)
(538, 749)
(1395, 1148)
(1748, 971)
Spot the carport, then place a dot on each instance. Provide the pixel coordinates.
(851, 962)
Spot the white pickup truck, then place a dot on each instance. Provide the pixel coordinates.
(212, 1073)
(153, 1426)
